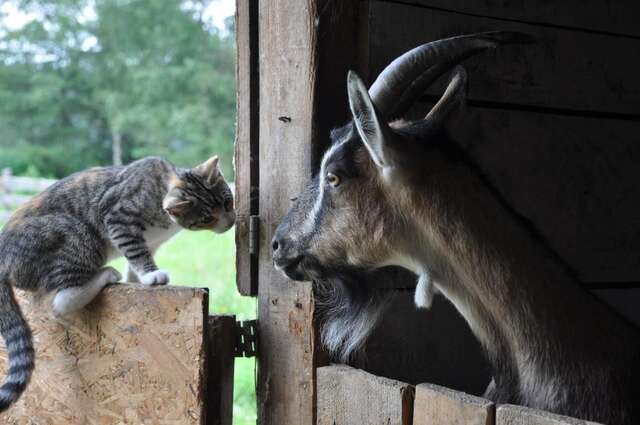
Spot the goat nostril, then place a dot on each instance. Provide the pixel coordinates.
(275, 245)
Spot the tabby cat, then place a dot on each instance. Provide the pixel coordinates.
(61, 240)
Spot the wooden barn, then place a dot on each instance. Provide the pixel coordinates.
(555, 125)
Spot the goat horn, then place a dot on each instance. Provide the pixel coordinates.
(406, 78)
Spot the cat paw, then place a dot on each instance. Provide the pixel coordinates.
(158, 277)
(111, 275)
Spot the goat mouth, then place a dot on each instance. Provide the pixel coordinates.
(291, 268)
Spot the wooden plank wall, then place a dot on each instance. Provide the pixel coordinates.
(135, 355)
(348, 396)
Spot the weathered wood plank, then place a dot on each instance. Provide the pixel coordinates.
(439, 405)
(220, 368)
(517, 415)
(349, 396)
(246, 145)
(300, 57)
(564, 69)
(591, 15)
(134, 355)
(286, 339)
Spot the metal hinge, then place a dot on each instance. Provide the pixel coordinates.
(254, 234)
(246, 338)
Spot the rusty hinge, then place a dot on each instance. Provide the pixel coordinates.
(254, 234)
(246, 338)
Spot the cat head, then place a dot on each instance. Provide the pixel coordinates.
(200, 199)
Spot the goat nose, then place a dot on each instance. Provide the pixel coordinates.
(276, 244)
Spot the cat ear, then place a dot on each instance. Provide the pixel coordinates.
(176, 207)
(209, 169)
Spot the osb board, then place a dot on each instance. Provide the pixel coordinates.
(133, 356)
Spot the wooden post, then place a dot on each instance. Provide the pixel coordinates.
(220, 368)
(246, 146)
(303, 66)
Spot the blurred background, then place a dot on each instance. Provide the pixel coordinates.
(97, 82)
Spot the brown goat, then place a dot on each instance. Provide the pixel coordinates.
(405, 194)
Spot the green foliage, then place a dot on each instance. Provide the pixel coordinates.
(83, 72)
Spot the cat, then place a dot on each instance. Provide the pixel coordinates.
(61, 240)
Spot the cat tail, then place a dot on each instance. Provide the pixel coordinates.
(17, 337)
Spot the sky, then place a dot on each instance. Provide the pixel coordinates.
(215, 13)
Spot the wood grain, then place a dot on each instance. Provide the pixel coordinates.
(517, 415)
(302, 59)
(564, 69)
(349, 396)
(220, 368)
(438, 405)
(135, 355)
(246, 144)
(617, 17)
(286, 336)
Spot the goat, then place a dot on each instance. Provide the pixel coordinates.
(405, 194)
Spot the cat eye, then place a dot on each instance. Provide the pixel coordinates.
(333, 179)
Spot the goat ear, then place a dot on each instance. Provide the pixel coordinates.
(209, 169)
(375, 134)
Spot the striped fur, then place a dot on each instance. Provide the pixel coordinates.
(61, 240)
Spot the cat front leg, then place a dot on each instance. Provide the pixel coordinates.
(127, 237)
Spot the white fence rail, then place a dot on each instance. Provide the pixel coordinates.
(15, 191)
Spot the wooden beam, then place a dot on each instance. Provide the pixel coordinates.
(246, 145)
(220, 368)
(134, 355)
(297, 70)
(349, 396)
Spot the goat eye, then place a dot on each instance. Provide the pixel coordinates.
(333, 180)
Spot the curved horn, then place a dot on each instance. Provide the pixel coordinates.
(406, 78)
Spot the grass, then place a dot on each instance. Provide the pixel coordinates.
(205, 259)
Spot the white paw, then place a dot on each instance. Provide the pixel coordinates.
(111, 275)
(159, 277)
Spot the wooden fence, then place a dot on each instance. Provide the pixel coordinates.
(15, 191)
(348, 396)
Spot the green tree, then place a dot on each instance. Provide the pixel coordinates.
(145, 77)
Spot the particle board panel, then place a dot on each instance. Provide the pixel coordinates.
(134, 355)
